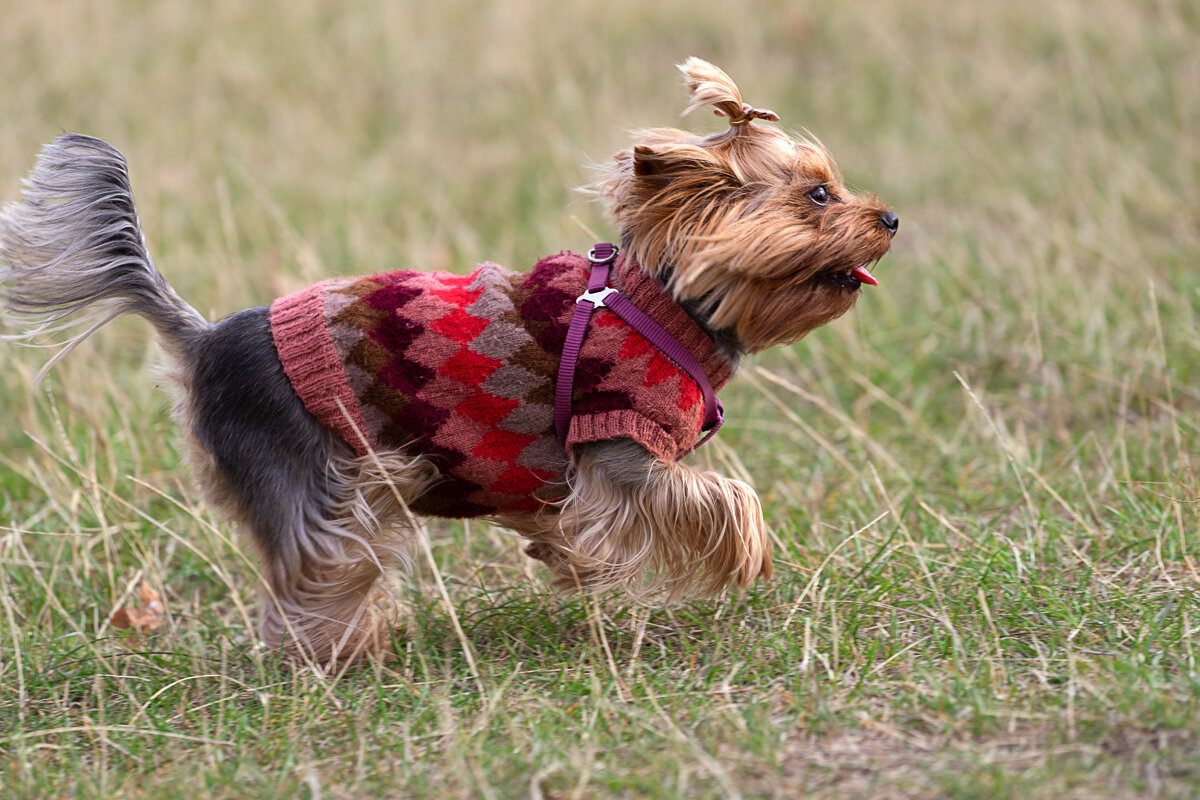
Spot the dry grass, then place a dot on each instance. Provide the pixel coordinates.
(983, 481)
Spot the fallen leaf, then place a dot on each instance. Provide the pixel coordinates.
(141, 620)
(150, 598)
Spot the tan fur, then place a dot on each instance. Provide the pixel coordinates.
(321, 598)
(750, 229)
(729, 215)
(634, 521)
(727, 223)
(326, 602)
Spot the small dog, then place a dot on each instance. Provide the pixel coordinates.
(322, 423)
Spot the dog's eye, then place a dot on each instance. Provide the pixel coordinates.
(819, 195)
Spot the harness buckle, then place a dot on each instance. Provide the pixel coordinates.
(596, 297)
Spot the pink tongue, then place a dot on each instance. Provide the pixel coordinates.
(864, 276)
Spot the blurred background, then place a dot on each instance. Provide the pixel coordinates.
(1005, 432)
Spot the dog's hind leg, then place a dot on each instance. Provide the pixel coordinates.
(326, 524)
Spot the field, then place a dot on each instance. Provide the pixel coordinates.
(983, 483)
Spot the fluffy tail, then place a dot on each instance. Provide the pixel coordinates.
(72, 252)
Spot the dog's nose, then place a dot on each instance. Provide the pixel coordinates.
(889, 220)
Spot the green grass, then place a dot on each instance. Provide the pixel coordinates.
(982, 482)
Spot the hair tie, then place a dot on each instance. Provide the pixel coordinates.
(749, 112)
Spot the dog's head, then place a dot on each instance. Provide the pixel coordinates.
(751, 227)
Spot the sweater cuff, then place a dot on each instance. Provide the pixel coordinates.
(623, 424)
(312, 363)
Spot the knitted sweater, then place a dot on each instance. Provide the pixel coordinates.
(463, 368)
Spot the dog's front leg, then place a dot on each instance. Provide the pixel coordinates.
(634, 520)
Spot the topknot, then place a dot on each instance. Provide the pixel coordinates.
(710, 86)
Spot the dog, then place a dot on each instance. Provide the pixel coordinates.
(324, 423)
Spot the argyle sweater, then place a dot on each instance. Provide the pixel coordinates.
(463, 369)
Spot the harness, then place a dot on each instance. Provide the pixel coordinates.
(600, 294)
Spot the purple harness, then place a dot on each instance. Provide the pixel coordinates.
(599, 293)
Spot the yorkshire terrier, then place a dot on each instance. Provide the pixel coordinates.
(556, 402)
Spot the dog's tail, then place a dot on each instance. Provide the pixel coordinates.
(72, 254)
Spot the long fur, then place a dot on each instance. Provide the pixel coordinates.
(74, 248)
(326, 523)
(695, 211)
(636, 522)
(730, 224)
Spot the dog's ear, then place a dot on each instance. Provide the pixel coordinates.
(674, 161)
(665, 161)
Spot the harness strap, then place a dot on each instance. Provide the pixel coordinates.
(599, 293)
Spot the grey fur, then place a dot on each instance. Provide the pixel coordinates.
(267, 450)
(326, 524)
(322, 521)
(72, 252)
(74, 248)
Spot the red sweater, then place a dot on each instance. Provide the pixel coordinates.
(463, 368)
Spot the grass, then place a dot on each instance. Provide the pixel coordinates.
(982, 482)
